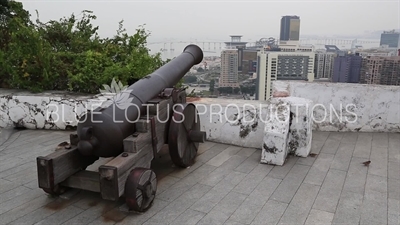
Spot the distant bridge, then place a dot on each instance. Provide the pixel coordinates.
(217, 46)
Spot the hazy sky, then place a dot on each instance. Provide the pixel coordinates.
(216, 20)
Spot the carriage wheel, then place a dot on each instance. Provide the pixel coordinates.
(184, 135)
(140, 189)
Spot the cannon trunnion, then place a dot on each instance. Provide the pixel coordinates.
(161, 117)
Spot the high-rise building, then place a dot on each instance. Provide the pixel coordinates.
(237, 43)
(229, 68)
(346, 68)
(282, 65)
(381, 70)
(324, 65)
(290, 28)
(390, 38)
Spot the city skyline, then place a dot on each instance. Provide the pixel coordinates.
(217, 20)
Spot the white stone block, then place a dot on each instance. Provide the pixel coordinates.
(300, 131)
(276, 133)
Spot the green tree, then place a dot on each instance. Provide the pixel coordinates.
(68, 54)
(212, 84)
(190, 79)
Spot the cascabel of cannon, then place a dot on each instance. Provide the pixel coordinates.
(102, 131)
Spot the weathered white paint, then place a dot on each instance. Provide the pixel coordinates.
(300, 131)
(55, 110)
(276, 135)
(349, 107)
(235, 122)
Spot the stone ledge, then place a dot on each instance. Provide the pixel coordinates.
(236, 122)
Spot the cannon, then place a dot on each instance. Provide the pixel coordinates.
(129, 132)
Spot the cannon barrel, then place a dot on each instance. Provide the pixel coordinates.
(102, 131)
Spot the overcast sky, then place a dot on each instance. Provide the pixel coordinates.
(216, 20)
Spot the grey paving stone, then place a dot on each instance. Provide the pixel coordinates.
(288, 187)
(219, 159)
(203, 147)
(186, 183)
(280, 172)
(230, 181)
(42, 211)
(379, 161)
(17, 169)
(307, 161)
(250, 182)
(19, 200)
(245, 213)
(232, 162)
(363, 146)
(166, 183)
(394, 189)
(319, 169)
(23, 177)
(211, 153)
(217, 193)
(318, 217)
(374, 208)
(343, 157)
(172, 211)
(140, 218)
(263, 191)
(214, 217)
(316, 146)
(328, 196)
(246, 152)
(394, 147)
(92, 213)
(330, 146)
(216, 176)
(189, 217)
(21, 214)
(393, 212)
(270, 214)
(232, 222)
(350, 138)
(320, 136)
(376, 183)
(183, 172)
(61, 216)
(349, 208)
(174, 191)
(250, 163)
(300, 206)
(394, 170)
(380, 140)
(112, 216)
(356, 176)
(6, 185)
(230, 203)
(13, 193)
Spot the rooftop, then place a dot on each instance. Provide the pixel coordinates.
(226, 185)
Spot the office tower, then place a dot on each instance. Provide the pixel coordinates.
(391, 39)
(229, 68)
(346, 68)
(381, 70)
(290, 28)
(237, 43)
(324, 62)
(282, 65)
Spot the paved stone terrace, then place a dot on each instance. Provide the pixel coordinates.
(227, 185)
